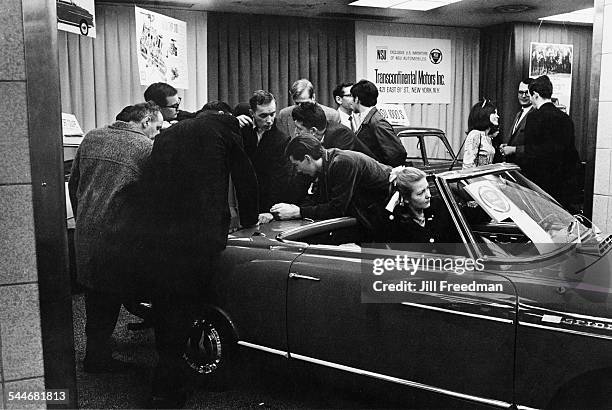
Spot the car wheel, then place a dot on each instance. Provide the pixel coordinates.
(83, 27)
(208, 347)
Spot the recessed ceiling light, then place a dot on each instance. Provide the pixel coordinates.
(579, 16)
(421, 5)
(383, 4)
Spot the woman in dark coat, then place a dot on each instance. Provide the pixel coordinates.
(415, 218)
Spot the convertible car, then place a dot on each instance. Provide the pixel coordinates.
(528, 326)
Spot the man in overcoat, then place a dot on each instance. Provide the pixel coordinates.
(106, 170)
(188, 182)
(516, 140)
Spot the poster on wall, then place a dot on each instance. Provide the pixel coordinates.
(77, 16)
(410, 70)
(555, 61)
(162, 48)
(395, 114)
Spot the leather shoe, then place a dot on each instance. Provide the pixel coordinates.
(106, 366)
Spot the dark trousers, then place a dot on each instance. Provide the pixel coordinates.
(177, 301)
(102, 311)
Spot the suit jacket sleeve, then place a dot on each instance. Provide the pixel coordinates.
(393, 151)
(245, 182)
(341, 179)
(282, 121)
(541, 140)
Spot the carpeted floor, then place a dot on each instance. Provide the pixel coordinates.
(254, 385)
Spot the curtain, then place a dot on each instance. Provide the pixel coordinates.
(251, 52)
(505, 61)
(99, 76)
(451, 118)
(499, 74)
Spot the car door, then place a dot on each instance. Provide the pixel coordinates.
(458, 344)
(250, 288)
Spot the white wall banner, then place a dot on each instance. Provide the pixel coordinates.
(410, 70)
(162, 50)
(555, 61)
(77, 16)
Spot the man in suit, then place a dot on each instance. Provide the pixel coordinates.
(375, 132)
(344, 99)
(516, 140)
(265, 146)
(549, 156)
(301, 91)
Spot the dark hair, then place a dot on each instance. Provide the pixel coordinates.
(260, 97)
(218, 106)
(242, 109)
(480, 115)
(298, 87)
(366, 91)
(304, 145)
(159, 92)
(339, 90)
(138, 112)
(527, 80)
(310, 115)
(124, 115)
(542, 86)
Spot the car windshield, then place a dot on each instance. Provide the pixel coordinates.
(508, 215)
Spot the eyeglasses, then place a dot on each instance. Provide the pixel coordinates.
(347, 95)
(523, 92)
(175, 106)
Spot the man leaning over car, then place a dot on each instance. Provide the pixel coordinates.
(349, 183)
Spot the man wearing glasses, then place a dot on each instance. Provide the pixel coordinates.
(516, 140)
(166, 97)
(344, 99)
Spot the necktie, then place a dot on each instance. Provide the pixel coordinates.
(518, 119)
(352, 123)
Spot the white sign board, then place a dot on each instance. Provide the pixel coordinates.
(162, 49)
(555, 61)
(77, 16)
(395, 114)
(410, 70)
(71, 130)
(500, 207)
